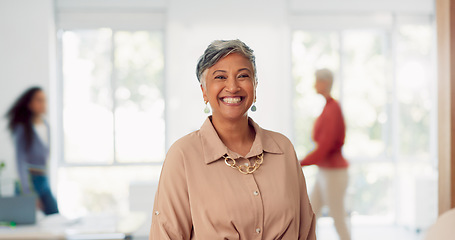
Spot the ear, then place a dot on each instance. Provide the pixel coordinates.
(204, 94)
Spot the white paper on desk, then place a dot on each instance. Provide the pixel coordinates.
(93, 225)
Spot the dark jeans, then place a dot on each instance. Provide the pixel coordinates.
(42, 188)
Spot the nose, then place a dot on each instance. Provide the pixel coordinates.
(232, 85)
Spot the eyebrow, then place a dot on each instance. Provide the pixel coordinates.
(223, 71)
(247, 69)
(218, 71)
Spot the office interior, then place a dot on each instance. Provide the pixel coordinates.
(120, 81)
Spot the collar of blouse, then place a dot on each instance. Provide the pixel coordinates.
(214, 148)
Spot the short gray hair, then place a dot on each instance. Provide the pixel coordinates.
(324, 74)
(219, 49)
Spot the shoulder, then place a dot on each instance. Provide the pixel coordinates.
(280, 146)
(19, 129)
(269, 137)
(334, 108)
(176, 160)
(183, 145)
(334, 104)
(185, 142)
(279, 139)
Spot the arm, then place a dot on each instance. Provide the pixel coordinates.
(21, 158)
(327, 139)
(171, 212)
(307, 228)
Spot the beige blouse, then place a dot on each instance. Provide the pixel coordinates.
(200, 197)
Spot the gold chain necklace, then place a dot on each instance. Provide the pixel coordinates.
(243, 168)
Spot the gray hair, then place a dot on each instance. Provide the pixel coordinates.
(324, 74)
(219, 49)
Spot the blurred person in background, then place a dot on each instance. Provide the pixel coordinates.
(231, 179)
(332, 179)
(31, 140)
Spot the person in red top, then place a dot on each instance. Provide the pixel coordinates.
(329, 132)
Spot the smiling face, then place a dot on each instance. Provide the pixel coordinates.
(230, 87)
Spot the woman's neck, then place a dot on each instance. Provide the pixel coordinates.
(327, 96)
(36, 119)
(237, 135)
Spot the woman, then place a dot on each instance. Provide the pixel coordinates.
(332, 180)
(31, 139)
(231, 179)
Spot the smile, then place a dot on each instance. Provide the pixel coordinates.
(231, 100)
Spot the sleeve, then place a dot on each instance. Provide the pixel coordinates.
(21, 159)
(307, 228)
(171, 212)
(327, 139)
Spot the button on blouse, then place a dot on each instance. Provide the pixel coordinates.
(200, 197)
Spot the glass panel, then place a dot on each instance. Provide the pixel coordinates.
(83, 190)
(311, 51)
(417, 106)
(364, 93)
(414, 85)
(139, 112)
(87, 104)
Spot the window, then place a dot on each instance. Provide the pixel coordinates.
(385, 82)
(113, 116)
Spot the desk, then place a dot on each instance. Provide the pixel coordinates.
(55, 227)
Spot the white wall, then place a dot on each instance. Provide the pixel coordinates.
(26, 58)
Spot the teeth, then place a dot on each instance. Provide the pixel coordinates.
(232, 99)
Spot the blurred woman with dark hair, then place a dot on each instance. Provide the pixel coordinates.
(31, 139)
